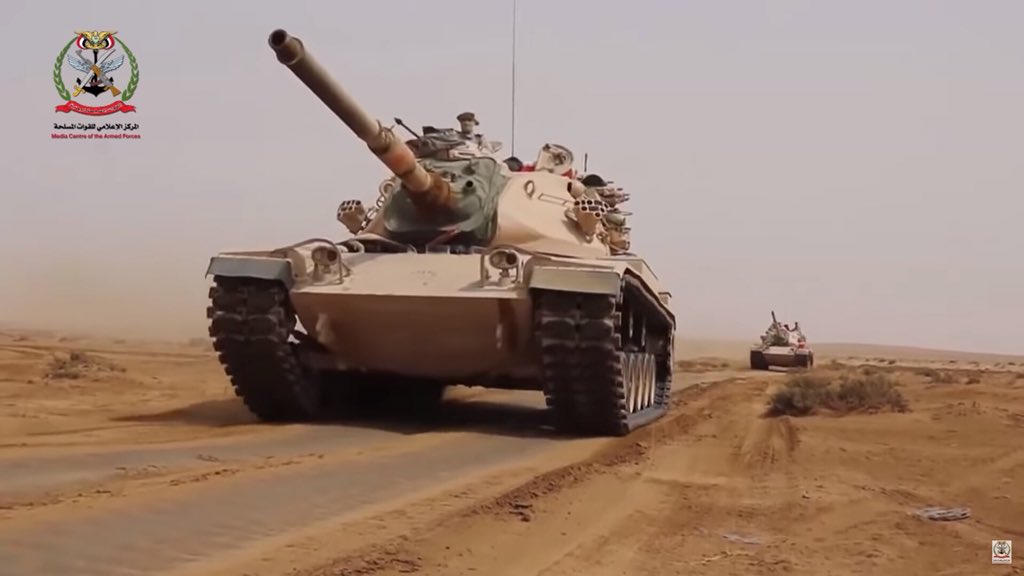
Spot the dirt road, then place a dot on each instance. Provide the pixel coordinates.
(90, 486)
(131, 458)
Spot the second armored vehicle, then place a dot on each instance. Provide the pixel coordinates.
(781, 346)
(468, 270)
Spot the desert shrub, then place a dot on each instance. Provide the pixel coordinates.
(872, 393)
(805, 394)
(936, 376)
(702, 365)
(800, 395)
(61, 368)
(891, 362)
(76, 365)
(973, 380)
(687, 365)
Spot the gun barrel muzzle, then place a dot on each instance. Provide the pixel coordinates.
(292, 54)
(427, 189)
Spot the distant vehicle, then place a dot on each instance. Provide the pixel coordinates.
(781, 346)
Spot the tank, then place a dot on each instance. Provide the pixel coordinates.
(467, 269)
(781, 346)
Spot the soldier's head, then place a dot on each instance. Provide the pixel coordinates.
(467, 122)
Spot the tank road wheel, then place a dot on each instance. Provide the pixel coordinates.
(757, 360)
(607, 362)
(251, 321)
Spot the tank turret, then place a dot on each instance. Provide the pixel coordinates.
(427, 190)
(776, 334)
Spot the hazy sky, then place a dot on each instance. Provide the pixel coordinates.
(854, 165)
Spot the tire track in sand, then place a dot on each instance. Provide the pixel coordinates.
(136, 535)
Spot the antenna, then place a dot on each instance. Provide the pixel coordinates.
(513, 77)
(585, 158)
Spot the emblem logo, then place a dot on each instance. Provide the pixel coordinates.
(93, 57)
(1002, 552)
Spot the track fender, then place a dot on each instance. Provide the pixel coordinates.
(262, 267)
(587, 280)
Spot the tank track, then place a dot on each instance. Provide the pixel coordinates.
(251, 321)
(757, 360)
(607, 361)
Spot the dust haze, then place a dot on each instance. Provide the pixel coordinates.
(853, 167)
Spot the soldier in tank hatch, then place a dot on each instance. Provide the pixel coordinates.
(467, 130)
(467, 125)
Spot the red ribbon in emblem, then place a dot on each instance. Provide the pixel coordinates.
(72, 106)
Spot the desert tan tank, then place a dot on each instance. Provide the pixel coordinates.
(781, 346)
(468, 270)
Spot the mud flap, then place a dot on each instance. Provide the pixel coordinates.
(581, 280)
(252, 267)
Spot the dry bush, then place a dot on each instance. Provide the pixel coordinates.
(702, 365)
(869, 369)
(891, 362)
(77, 365)
(936, 376)
(845, 393)
(863, 368)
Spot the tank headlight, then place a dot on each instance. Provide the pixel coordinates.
(503, 259)
(324, 257)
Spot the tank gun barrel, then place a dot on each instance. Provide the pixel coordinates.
(774, 321)
(425, 187)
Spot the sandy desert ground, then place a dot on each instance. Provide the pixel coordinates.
(136, 458)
